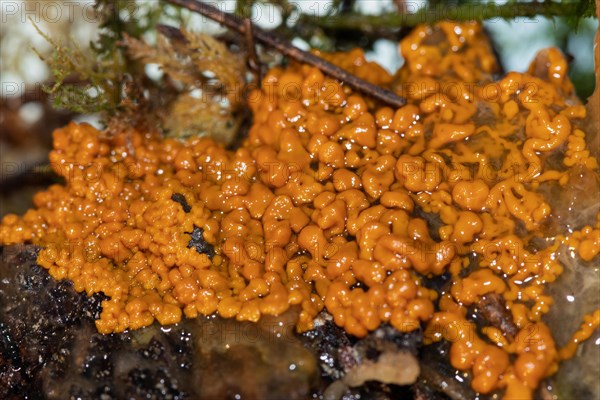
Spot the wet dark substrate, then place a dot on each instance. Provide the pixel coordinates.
(49, 349)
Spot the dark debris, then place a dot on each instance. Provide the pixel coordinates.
(494, 310)
(438, 378)
(201, 245)
(338, 353)
(179, 198)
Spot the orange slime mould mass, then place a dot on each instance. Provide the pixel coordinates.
(334, 202)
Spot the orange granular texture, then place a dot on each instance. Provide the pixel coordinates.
(332, 202)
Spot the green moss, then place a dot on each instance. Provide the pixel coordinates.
(93, 79)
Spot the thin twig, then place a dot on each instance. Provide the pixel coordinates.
(455, 12)
(400, 6)
(253, 61)
(171, 33)
(346, 6)
(237, 23)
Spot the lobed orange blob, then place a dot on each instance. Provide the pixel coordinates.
(334, 202)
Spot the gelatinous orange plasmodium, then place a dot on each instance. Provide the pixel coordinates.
(335, 202)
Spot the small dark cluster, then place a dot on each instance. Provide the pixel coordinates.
(202, 246)
(179, 198)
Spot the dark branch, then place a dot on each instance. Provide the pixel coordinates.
(253, 61)
(171, 33)
(470, 11)
(237, 23)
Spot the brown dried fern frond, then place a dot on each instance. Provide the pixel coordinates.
(200, 60)
(209, 80)
(209, 54)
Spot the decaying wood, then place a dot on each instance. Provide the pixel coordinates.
(593, 103)
(494, 311)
